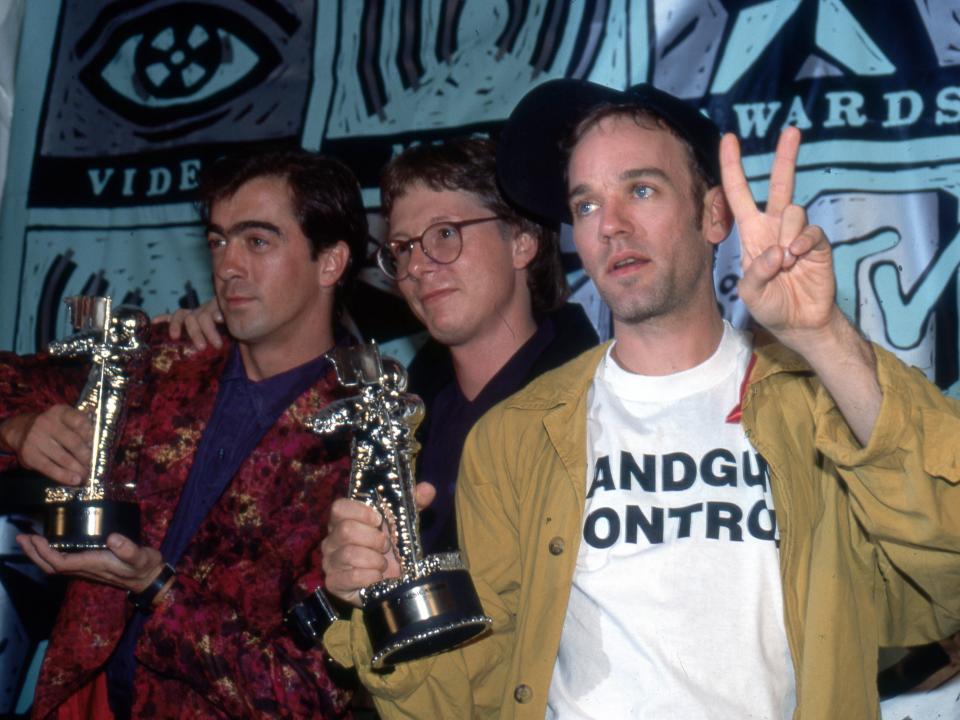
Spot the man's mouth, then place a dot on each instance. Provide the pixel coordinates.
(237, 300)
(627, 262)
(434, 295)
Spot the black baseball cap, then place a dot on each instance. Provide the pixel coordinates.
(531, 164)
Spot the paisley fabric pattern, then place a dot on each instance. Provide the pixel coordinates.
(217, 646)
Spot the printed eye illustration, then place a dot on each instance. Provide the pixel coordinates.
(178, 62)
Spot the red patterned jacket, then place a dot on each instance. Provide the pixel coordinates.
(216, 647)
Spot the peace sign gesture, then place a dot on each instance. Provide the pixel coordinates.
(788, 281)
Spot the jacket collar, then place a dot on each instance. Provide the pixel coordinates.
(560, 397)
(773, 358)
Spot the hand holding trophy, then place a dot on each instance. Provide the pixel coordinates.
(81, 518)
(433, 605)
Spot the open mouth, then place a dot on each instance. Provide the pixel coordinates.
(627, 263)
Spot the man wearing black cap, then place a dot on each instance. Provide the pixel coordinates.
(690, 521)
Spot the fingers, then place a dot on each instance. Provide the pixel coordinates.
(811, 238)
(344, 509)
(27, 545)
(354, 524)
(177, 321)
(793, 220)
(782, 175)
(734, 181)
(761, 271)
(784, 171)
(127, 550)
(56, 443)
(175, 329)
(165, 317)
(202, 328)
(53, 561)
(79, 423)
(355, 550)
(123, 564)
(200, 325)
(141, 565)
(350, 567)
(782, 257)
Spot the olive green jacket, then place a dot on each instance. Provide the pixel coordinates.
(869, 553)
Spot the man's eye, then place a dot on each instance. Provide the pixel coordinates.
(583, 208)
(256, 241)
(399, 247)
(642, 191)
(445, 232)
(214, 243)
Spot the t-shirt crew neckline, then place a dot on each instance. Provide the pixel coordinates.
(713, 370)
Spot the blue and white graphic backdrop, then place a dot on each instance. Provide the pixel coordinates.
(119, 105)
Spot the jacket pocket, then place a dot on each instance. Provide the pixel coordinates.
(941, 445)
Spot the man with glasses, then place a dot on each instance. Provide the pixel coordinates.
(487, 283)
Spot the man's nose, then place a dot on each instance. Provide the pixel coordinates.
(230, 262)
(615, 221)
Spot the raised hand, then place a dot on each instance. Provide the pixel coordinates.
(200, 324)
(788, 282)
(358, 549)
(124, 564)
(56, 443)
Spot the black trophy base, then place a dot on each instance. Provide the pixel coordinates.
(76, 525)
(423, 617)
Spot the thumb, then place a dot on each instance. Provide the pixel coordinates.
(425, 493)
(762, 270)
(122, 547)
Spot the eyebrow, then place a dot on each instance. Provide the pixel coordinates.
(435, 220)
(243, 226)
(631, 174)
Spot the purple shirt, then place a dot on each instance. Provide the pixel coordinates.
(450, 418)
(243, 413)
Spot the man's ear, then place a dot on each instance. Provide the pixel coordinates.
(524, 250)
(332, 263)
(717, 216)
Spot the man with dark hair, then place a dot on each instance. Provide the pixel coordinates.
(689, 521)
(234, 491)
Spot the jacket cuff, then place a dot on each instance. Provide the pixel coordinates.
(347, 643)
(336, 641)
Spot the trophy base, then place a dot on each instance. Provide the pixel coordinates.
(78, 525)
(424, 616)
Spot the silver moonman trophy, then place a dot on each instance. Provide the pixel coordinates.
(81, 518)
(433, 605)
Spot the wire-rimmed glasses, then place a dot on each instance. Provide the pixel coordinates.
(442, 242)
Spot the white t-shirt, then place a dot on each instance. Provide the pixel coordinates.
(676, 609)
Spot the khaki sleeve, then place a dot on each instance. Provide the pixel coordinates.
(905, 495)
(467, 682)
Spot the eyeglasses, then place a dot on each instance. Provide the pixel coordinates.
(442, 242)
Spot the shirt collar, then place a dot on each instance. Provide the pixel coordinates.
(270, 397)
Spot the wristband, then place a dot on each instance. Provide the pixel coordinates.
(143, 600)
(309, 619)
